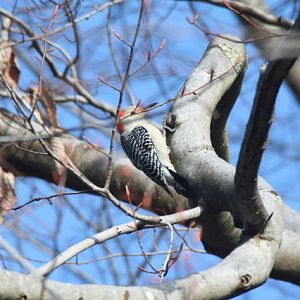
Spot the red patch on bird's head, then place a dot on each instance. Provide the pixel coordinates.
(125, 113)
(120, 126)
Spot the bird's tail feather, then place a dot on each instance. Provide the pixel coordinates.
(179, 183)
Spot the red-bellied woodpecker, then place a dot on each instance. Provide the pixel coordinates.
(146, 147)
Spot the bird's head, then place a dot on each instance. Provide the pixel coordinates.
(128, 116)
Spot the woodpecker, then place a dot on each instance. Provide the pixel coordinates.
(146, 147)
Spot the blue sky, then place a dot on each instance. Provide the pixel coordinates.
(184, 47)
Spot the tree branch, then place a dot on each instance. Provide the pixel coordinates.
(267, 46)
(248, 200)
(211, 178)
(112, 233)
(252, 11)
(234, 275)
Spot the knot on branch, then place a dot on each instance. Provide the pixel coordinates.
(171, 123)
(246, 281)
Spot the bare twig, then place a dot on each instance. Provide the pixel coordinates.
(42, 62)
(149, 58)
(87, 16)
(168, 261)
(135, 254)
(72, 81)
(108, 84)
(252, 12)
(97, 148)
(125, 79)
(37, 199)
(154, 270)
(15, 255)
(184, 92)
(114, 58)
(269, 35)
(22, 233)
(76, 36)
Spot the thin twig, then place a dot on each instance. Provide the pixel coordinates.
(72, 81)
(114, 58)
(42, 62)
(125, 79)
(185, 93)
(149, 58)
(15, 255)
(123, 254)
(166, 265)
(155, 271)
(37, 199)
(270, 35)
(87, 16)
(254, 12)
(72, 20)
(95, 147)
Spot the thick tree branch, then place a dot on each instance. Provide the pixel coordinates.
(233, 276)
(255, 142)
(191, 117)
(220, 115)
(211, 178)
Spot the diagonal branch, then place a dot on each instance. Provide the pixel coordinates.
(15, 254)
(252, 11)
(110, 234)
(253, 212)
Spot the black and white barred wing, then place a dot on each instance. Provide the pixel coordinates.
(140, 149)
